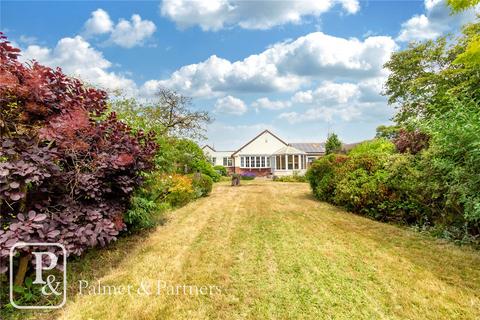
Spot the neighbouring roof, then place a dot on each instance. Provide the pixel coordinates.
(258, 135)
(289, 150)
(349, 146)
(310, 147)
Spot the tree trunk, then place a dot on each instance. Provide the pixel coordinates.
(22, 269)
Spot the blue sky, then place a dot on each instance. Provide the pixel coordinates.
(301, 69)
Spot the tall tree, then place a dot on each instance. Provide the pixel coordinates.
(333, 144)
(471, 56)
(425, 75)
(168, 114)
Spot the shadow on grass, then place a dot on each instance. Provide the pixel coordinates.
(93, 265)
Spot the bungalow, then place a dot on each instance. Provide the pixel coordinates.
(266, 155)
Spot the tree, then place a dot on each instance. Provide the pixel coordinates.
(333, 144)
(425, 75)
(471, 56)
(67, 166)
(176, 153)
(387, 132)
(169, 114)
(461, 5)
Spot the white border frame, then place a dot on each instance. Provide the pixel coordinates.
(39, 244)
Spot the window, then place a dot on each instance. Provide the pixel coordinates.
(242, 162)
(268, 162)
(257, 159)
(214, 160)
(225, 161)
(247, 164)
(296, 161)
(263, 162)
(229, 162)
(290, 162)
(252, 162)
(280, 162)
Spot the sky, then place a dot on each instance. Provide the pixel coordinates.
(300, 69)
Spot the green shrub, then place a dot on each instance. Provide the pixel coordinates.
(452, 163)
(372, 181)
(322, 175)
(380, 146)
(206, 167)
(221, 170)
(183, 156)
(146, 206)
(202, 184)
(144, 213)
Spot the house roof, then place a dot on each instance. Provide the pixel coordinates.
(289, 150)
(310, 147)
(258, 135)
(207, 146)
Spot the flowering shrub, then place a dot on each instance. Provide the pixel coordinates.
(248, 176)
(67, 168)
(179, 189)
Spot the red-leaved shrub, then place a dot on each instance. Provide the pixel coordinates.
(67, 167)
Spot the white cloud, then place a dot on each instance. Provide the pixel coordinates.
(77, 58)
(132, 33)
(265, 103)
(230, 105)
(325, 114)
(284, 66)
(230, 136)
(127, 34)
(27, 40)
(98, 23)
(219, 14)
(328, 92)
(345, 101)
(436, 21)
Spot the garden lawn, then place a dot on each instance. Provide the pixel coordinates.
(276, 253)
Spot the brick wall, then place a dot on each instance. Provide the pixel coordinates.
(260, 172)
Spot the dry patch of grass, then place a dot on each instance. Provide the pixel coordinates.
(275, 252)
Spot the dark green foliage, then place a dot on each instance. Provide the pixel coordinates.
(183, 156)
(431, 189)
(221, 170)
(452, 163)
(434, 84)
(387, 132)
(424, 76)
(333, 144)
(372, 181)
(147, 205)
(202, 184)
(322, 175)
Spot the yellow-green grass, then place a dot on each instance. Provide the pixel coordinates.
(277, 253)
